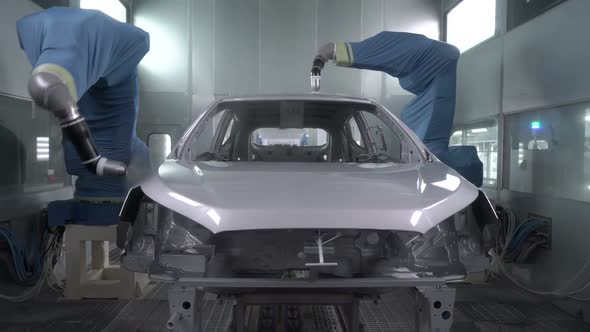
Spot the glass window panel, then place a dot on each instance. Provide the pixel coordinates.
(484, 136)
(485, 140)
(113, 8)
(457, 138)
(471, 22)
(547, 152)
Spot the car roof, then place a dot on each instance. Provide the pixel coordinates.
(302, 97)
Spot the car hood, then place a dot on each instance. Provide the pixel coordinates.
(233, 196)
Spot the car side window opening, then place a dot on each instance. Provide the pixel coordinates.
(228, 132)
(355, 132)
(385, 142)
(202, 145)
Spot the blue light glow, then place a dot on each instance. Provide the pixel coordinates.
(536, 125)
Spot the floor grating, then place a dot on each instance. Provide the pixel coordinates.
(325, 318)
(386, 316)
(492, 312)
(88, 316)
(217, 315)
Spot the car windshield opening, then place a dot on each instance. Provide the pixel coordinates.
(296, 131)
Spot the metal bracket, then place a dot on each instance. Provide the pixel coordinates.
(320, 244)
(434, 308)
(185, 305)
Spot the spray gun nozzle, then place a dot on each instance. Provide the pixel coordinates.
(316, 73)
(315, 83)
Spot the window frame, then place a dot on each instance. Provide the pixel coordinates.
(373, 143)
(540, 114)
(369, 143)
(362, 131)
(484, 123)
(445, 25)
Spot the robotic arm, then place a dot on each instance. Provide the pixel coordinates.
(73, 50)
(428, 69)
(50, 92)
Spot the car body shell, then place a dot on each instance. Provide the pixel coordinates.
(236, 196)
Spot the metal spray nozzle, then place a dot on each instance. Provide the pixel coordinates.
(315, 82)
(316, 73)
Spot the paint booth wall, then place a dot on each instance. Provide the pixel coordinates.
(206, 49)
(32, 172)
(532, 81)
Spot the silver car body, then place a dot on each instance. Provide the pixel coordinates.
(226, 196)
(218, 221)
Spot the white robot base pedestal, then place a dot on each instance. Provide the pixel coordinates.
(103, 280)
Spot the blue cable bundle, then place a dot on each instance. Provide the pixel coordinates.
(24, 272)
(527, 237)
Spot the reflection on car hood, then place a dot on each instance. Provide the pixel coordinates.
(231, 196)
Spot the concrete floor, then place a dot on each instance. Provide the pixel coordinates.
(479, 308)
